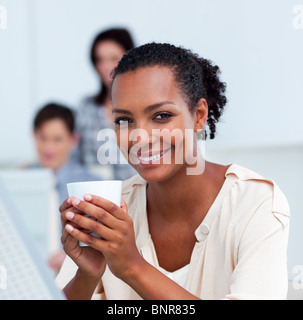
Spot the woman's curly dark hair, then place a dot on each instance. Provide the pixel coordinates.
(197, 77)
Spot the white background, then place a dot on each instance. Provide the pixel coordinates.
(44, 56)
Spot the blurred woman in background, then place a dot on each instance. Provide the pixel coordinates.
(94, 113)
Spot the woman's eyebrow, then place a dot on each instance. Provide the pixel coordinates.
(147, 109)
(122, 111)
(157, 105)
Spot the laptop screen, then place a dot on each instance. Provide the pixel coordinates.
(24, 275)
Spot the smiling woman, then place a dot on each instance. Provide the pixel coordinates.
(219, 234)
(155, 120)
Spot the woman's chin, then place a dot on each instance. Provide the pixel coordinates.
(159, 173)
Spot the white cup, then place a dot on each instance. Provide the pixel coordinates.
(107, 189)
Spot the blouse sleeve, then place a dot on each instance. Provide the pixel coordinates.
(66, 274)
(261, 269)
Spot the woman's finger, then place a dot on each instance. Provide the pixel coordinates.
(88, 239)
(67, 203)
(123, 205)
(71, 245)
(107, 205)
(63, 214)
(64, 236)
(68, 241)
(97, 212)
(87, 223)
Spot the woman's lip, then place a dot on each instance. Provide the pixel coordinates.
(152, 158)
(141, 154)
(150, 154)
(142, 158)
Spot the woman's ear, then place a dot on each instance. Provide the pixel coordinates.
(201, 114)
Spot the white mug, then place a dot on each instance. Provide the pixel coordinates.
(107, 189)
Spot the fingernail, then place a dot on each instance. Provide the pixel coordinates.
(76, 201)
(68, 200)
(70, 215)
(88, 197)
(69, 228)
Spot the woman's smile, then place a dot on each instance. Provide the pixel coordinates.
(151, 157)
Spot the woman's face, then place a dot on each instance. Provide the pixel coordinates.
(108, 53)
(152, 120)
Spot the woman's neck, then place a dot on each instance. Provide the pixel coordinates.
(184, 193)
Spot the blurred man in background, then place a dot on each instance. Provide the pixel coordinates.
(55, 139)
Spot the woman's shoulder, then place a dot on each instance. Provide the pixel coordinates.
(252, 188)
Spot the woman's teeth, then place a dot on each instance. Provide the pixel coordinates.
(153, 157)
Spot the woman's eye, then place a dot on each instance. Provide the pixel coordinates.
(162, 116)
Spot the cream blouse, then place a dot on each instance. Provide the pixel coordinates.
(241, 247)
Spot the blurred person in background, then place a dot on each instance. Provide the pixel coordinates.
(54, 127)
(55, 139)
(94, 113)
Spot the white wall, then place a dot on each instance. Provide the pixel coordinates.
(16, 101)
(44, 55)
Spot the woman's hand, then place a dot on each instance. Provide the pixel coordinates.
(117, 246)
(91, 262)
(117, 242)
